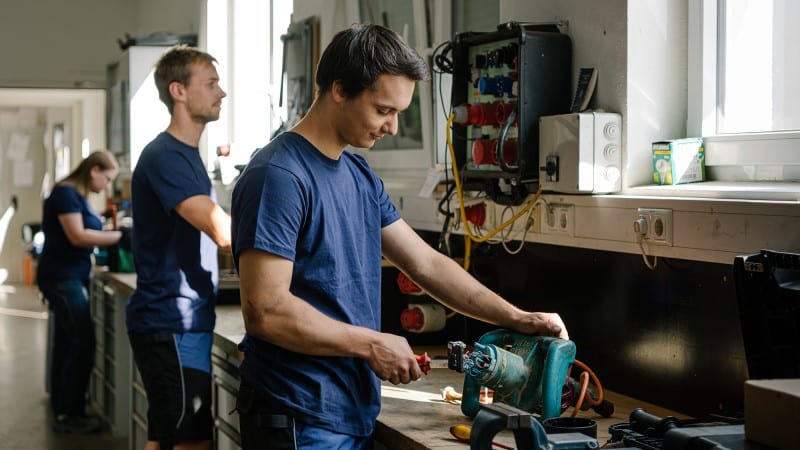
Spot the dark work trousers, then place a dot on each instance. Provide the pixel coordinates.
(263, 428)
(73, 345)
(260, 429)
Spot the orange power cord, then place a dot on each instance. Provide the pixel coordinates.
(584, 380)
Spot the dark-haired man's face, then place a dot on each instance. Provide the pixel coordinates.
(374, 113)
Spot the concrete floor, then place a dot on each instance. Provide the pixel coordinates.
(25, 417)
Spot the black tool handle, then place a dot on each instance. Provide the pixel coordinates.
(651, 425)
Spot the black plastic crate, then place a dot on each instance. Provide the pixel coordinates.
(768, 292)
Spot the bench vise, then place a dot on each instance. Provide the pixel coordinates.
(528, 432)
(524, 371)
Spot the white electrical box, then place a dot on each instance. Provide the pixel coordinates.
(580, 153)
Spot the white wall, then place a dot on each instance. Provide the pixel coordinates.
(598, 37)
(53, 43)
(171, 16)
(656, 81)
(334, 15)
(21, 170)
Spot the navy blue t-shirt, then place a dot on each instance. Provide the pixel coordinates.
(60, 260)
(176, 264)
(326, 216)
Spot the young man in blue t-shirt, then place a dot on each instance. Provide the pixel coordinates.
(177, 229)
(310, 222)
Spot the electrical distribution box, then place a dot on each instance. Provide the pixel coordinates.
(581, 152)
(503, 82)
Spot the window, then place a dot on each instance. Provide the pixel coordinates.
(475, 15)
(421, 141)
(758, 62)
(410, 148)
(244, 37)
(743, 94)
(466, 16)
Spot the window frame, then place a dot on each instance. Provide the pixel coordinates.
(226, 39)
(776, 149)
(422, 157)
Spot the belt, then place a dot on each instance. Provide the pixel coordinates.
(274, 421)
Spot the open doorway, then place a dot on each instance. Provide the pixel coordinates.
(40, 130)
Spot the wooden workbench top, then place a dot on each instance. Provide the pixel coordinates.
(414, 416)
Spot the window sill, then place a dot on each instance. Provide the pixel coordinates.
(769, 191)
(712, 221)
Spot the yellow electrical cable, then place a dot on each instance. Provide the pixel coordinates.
(463, 212)
(469, 237)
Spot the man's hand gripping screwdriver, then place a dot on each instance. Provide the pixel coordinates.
(424, 362)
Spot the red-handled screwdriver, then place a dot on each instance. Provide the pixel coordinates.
(424, 362)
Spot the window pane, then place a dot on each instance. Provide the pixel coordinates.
(475, 15)
(759, 66)
(249, 65)
(397, 15)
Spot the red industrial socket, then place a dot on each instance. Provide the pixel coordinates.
(510, 153)
(407, 286)
(503, 110)
(482, 151)
(412, 319)
(476, 214)
(476, 114)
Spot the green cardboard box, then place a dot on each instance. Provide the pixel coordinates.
(679, 161)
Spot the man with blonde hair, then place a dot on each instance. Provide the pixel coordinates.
(177, 230)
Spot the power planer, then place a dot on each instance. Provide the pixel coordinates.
(524, 371)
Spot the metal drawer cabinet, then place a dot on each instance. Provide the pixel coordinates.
(225, 373)
(110, 379)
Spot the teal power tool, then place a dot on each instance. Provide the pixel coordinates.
(526, 372)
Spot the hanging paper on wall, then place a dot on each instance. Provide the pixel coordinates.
(23, 173)
(18, 146)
